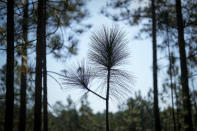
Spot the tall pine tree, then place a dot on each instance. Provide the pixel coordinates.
(22, 116)
(9, 112)
(184, 72)
(39, 54)
(44, 60)
(155, 88)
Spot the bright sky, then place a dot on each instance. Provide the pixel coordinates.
(140, 62)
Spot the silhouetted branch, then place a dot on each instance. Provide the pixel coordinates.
(96, 94)
(81, 77)
(192, 75)
(56, 73)
(3, 49)
(56, 81)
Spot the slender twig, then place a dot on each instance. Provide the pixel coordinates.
(96, 94)
(56, 81)
(192, 75)
(56, 73)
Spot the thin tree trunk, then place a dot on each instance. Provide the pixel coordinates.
(171, 84)
(156, 108)
(22, 117)
(45, 116)
(177, 110)
(192, 83)
(195, 105)
(107, 101)
(38, 82)
(10, 68)
(184, 73)
(172, 94)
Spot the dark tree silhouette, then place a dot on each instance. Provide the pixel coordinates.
(45, 102)
(39, 54)
(108, 53)
(22, 116)
(155, 89)
(10, 68)
(184, 72)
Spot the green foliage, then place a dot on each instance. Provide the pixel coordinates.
(136, 115)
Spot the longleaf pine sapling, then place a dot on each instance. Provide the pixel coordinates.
(108, 54)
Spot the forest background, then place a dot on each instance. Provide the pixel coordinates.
(68, 39)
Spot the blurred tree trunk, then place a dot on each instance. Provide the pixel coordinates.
(170, 73)
(22, 117)
(195, 105)
(38, 81)
(171, 88)
(184, 73)
(45, 115)
(154, 35)
(10, 68)
(178, 112)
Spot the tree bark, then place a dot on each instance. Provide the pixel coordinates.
(184, 73)
(38, 81)
(10, 68)
(22, 117)
(155, 90)
(45, 116)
